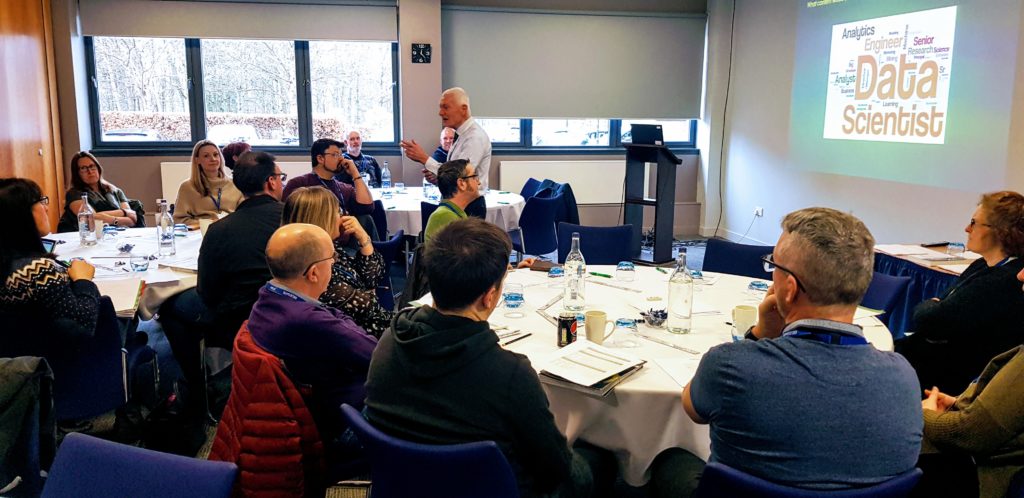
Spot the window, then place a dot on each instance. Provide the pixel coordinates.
(141, 87)
(170, 92)
(580, 136)
(351, 84)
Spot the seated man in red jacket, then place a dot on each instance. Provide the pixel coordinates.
(319, 346)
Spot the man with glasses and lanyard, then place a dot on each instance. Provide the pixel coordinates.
(805, 401)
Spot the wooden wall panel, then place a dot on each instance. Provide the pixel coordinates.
(29, 122)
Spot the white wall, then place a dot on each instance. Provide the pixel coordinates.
(758, 169)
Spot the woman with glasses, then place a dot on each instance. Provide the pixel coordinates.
(110, 203)
(354, 279)
(36, 287)
(982, 314)
(208, 193)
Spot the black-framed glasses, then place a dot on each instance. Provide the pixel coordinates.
(770, 265)
(976, 222)
(335, 256)
(282, 176)
(91, 167)
(44, 200)
(339, 155)
(468, 177)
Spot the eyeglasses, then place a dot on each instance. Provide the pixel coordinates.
(44, 200)
(336, 257)
(334, 154)
(976, 222)
(770, 265)
(91, 167)
(468, 177)
(282, 176)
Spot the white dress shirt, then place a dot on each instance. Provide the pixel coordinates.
(474, 145)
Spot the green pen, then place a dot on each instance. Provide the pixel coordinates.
(596, 274)
(502, 202)
(660, 270)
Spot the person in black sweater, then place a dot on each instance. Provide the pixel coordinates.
(61, 303)
(439, 376)
(982, 314)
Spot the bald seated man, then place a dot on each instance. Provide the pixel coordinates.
(319, 345)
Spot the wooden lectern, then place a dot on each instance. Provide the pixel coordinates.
(637, 157)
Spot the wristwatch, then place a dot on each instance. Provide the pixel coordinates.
(750, 334)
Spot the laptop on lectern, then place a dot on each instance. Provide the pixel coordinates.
(647, 134)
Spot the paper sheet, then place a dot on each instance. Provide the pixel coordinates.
(681, 369)
(123, 292)
(902, 249)
(586, 363)
(958, 269)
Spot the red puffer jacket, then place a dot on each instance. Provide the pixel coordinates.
(267, 430)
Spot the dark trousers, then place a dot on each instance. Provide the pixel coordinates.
(186, 321)
(675, 473)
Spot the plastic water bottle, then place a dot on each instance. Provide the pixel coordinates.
(680, 298)
(575, 267)
(165, 229)
(87, 223)
(385, 180)
(426, 188)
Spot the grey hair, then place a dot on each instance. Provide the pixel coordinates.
(832, 252)
(460, 96)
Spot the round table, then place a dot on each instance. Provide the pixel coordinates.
(403, 209)
(643, 415)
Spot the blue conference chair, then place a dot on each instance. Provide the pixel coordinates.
(536, 232)
(400, 468)
(426, 209)
(722, 481)
(723, 256)
(88, 467)
(599, 245)
(884, 292)
(388, 251)
(530, 188)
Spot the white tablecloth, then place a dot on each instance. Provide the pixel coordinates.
(644, 415)
(403, 209)
(161, 282)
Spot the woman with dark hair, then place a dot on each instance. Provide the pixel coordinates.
(982, 314)
(209, 192)
(110, 203)
(354, 279)
(233, 151)
(35, 285)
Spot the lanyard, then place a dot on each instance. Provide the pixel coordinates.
(216, 202)
(829, 337)
(284, 292)
(962, 282)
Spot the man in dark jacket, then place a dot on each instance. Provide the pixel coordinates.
(439, 375)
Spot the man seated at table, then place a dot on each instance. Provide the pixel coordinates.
(806, 401)
(365, 163)
(459, 185)
(439, 375)
(441, 152)
(320, 346)
(328, 161)
(232, 268)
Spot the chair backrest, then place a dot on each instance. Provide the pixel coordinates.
(537, 225)
(530, 188)
(400, 468)
(723, 256)
(722, 481)
(884, 292)
(380, 219)
(426, 209)
(599, 245)
(388, 251)
(87, 466)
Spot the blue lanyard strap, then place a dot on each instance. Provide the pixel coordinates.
(284, 292)
(829, 337)
(216, 202)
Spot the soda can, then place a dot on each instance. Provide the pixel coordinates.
(566, 329)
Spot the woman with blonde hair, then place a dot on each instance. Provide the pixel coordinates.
(354, 279)
(209, 192)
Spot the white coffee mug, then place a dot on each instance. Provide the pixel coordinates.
(597, 325)
(98, 225)
(743, 317)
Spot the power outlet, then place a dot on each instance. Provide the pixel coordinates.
(758, 211)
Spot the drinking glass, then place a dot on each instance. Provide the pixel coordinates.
(139, 263)
(955, 249)
(625, 271)
(399, 188)
(513, 297)
(624, 335)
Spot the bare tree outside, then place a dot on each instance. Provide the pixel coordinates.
(351, 83)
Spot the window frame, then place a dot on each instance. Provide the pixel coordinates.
(197, 107)
(615, 145)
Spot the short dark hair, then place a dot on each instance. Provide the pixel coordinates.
(251, 172)
(234, 149)
(320, 147)
(464, 260)
(18, 196)
(448, 177)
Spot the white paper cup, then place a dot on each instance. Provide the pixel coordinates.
(98, 225)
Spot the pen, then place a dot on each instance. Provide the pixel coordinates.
(596, 274)
(503, 202)
(660, 270)
(524, 336)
